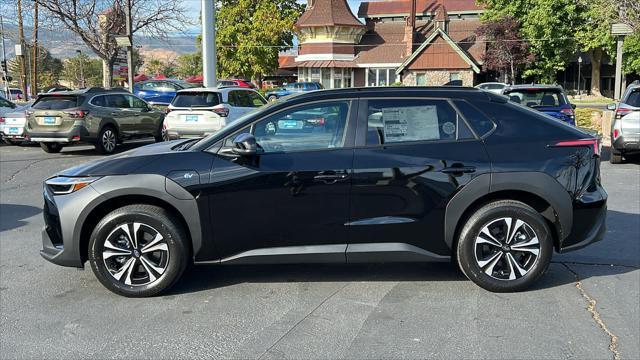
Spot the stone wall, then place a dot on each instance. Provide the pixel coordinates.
(437, 77)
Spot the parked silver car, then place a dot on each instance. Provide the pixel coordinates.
(625, 127)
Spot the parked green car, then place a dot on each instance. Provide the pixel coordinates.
(95, 115)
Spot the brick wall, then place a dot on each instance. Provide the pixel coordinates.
(437, 77)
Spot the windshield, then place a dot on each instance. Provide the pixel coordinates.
(196, 99)
(537, 97)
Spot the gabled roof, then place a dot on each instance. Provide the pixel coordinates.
(403, 7)
(328, 13)
(438, 32)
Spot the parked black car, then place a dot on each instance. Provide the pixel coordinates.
(350, 175)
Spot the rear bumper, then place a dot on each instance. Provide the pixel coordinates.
(76, 133)
(174, 134)
(589, 221)
(12, 132)
(626, 143)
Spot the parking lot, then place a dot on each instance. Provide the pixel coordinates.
(586, 306)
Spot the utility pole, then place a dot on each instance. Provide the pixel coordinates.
(209, 42)
(34, 81)
(5, 70)
(23, 65)
(129, 48)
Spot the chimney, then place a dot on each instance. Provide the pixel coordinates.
(442, 17)
(409, 29)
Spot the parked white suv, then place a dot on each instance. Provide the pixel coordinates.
(201, 111)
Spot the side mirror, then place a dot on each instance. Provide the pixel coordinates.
(245, 145)
(573, 106)
(611, 107)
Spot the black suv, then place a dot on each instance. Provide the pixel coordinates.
(350, 175)
(95, 115)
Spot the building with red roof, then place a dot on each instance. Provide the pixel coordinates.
(416, 42)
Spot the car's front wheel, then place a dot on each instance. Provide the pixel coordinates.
(138, 250)
(505, 246)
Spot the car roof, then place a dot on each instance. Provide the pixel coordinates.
(399, 91)
(533, 86)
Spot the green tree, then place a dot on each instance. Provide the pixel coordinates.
(81, 64)
(189, 65)
(548, 25)
(251, 33)
(631, 54)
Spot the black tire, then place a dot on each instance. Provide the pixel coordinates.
(51, 147)
(137, 281)
(159, 136)
(616, 157)
(107, 140)
(472, 251)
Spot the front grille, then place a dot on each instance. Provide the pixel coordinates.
(52, 225)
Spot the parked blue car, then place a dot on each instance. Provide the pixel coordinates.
(292, 88)
(549, 99)
(159, 92)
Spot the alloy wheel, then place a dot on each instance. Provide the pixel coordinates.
(135, 254)
(507, 248)
(109, 140)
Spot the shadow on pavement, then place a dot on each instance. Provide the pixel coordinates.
(88, 150)
(12, 216)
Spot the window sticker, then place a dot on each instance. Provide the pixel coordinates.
(449, 128)
(412, 123)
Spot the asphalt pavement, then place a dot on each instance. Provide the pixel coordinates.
(587, 306)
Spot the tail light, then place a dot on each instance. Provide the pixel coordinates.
(79, 114)
(616, 133)
(1, 120)
(568, 112)
(221, 111)
(593, 143)
(620, 112)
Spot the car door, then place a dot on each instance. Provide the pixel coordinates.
(412, 157)
(120, 111)
(143, 120)
(292, 200)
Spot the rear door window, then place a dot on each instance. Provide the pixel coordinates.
(99, 101)
(136, 103)
(196, 99)
(409, 120)
(57, 102)
(117, 101)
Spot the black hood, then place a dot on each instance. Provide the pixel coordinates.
(129, 162)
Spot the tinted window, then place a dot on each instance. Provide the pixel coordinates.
(478, 121)
(536, 97)
(242, 98)
(256, 99)
(196, 99)
(310, 127)
(395, 121)
(57, 102)
(5, 103)
(99, 101)
(492, 86)
(117, 101)
(634, 98)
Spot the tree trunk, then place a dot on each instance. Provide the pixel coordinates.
(513, 73)
(595, 56)
(107, 73)
(34, 81)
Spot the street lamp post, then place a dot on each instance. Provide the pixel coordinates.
(579, 72)
(79, 52)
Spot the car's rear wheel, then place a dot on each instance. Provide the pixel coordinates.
(138, 250)
(616, 157)
(51, 147)
(107, 140)
(505, 246)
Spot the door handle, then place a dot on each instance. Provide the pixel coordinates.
(459, 170)
(330, 178)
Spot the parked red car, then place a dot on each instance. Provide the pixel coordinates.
(236, 82)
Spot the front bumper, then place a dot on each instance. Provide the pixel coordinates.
(75, 134)
(63, 218)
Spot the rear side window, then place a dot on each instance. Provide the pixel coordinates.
(99, 101)
(57, 102)
(537, 97)
(196, 99)
(478, 121)
(634, 98)
(398, 121)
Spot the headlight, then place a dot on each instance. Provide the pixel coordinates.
(66, 185)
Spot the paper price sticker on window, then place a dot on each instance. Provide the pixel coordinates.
(411, 123)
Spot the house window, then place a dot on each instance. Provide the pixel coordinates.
(372, 77)
(421, 79)
(316, 74)
(381, 77)
(347, 78)
(454, 76)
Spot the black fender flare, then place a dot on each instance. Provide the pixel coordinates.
(537, 183)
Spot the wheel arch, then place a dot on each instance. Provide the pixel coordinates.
(535, 189)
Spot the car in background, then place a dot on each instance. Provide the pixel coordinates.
(103, 117)
(6, 106)
(548, 99)
(271, 84)
(494, 87)
(16, 94)
(13, 126)
(159, 92)
(236, 83)
(292, 88)
(201, 111)
(625, 128)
